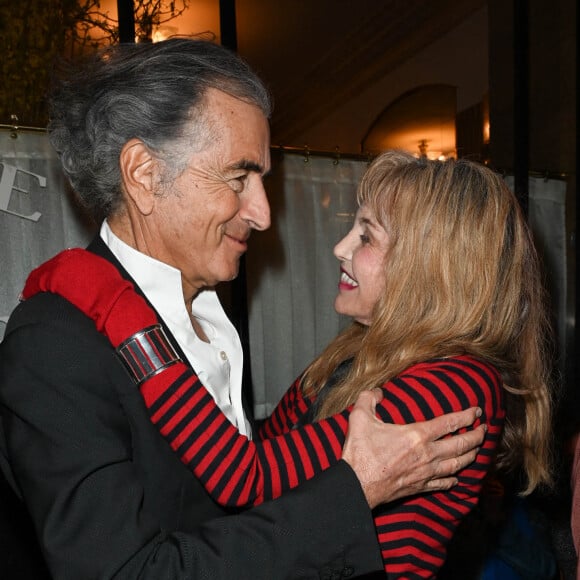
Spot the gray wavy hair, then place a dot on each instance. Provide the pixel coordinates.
(149, 91)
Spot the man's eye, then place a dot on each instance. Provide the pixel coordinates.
(238, 183)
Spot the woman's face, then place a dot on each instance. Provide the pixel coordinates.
(362, 253)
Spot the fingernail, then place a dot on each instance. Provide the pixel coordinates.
(478, 412)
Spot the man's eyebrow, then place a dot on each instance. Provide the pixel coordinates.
(248, 165)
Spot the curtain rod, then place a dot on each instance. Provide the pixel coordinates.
(337, 155)
(549, 174)
(15, 128)
(562, 175)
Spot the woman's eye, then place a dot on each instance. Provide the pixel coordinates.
(364, 239)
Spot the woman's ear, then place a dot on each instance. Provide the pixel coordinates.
(138, 175)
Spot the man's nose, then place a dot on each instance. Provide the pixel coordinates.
(255, 208)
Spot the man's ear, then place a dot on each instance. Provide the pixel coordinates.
(138, 174)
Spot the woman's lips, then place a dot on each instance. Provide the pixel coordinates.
(346, 282)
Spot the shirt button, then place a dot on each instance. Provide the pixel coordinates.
(223, 355)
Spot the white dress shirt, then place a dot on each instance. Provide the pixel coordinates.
(218, 363)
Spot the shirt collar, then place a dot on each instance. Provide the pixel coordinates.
(162, 285)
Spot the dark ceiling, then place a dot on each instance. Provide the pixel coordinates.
(317, 54)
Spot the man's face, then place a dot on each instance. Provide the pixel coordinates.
(202, 221)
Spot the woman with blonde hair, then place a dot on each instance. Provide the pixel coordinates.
(440, 276)
(461, 277)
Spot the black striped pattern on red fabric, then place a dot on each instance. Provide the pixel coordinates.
(146, 353)
(234, 470)
(413, 533)
(287, 413)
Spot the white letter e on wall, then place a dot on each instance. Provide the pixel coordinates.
(7, 186)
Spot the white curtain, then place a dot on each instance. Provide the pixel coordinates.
(547, 214)
(292, 274)
(547, 217)
(37, 216)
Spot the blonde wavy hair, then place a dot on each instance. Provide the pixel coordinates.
(461, 277)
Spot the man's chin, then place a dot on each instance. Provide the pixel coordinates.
(229, 271)
(234, 273)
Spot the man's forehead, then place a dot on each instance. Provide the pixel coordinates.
(226, 103)
(240, 132)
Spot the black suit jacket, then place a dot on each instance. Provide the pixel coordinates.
(108, 497)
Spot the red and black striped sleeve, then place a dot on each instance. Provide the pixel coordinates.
(288, 412)
(413, 534)
(234, 470)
